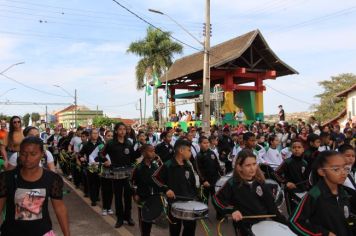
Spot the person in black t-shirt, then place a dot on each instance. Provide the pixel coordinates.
(121, 154)
(26, 191)
(281, 114)
(176, 178)
(165, 150)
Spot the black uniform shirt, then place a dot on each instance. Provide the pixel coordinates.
(208, 167)
(293, 169)
(178, 178)
(165, 151)
(142, 178)
(321, 212)
(121, 154)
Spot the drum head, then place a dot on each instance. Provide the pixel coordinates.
(152, 208)
(190, 206)
(268, 228)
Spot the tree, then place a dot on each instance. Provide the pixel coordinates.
(102, 121)
(156, 51)
(330, 105)
(26, 119)
(35, 117)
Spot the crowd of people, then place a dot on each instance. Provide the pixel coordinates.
(314, 165)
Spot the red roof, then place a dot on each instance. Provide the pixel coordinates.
(336, 118)
(125, 121)
(345, 92)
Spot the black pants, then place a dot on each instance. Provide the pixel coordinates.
(188, 227)
(84, 179)
(106, 193)
(94, 186)
(121, 189)
(75, 171)
(145, 227)
(209, 192)
(55, 159)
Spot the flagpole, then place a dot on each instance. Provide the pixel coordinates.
(166, 95)
(144, 115)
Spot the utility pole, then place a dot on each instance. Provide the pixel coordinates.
(46, 118)
(140, 111)
(206, 72)
(75, 108)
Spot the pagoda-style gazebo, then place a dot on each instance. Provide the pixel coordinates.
(239, 65)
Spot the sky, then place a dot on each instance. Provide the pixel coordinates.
(82, 45)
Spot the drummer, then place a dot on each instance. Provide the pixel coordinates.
(165, 150)
(325, 209)
(146, 187)
(292, 173)
(120, 152)
(177, 180)
(245, 194)
(208, 168)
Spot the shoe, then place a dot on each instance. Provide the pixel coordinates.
(104, 212)
(93, 204)
(110, 212)
(119, 223)
(130, 222)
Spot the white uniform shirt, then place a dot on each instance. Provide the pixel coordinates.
(273, 157)
(14, 156)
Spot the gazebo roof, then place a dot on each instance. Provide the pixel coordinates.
(249, 50)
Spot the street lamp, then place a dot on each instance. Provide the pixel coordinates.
(13, 65)
(206, 64)
(75, 100)
(7, 91)
(177, 23)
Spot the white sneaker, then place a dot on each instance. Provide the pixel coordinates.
(110, 212)
(104, 212)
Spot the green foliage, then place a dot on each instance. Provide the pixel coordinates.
(102, 121)
(156, 51)
(26, 119)
(35, 116)
(330, 105)
(5, 117)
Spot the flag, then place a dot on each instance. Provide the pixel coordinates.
(148, 89)
(156, 80)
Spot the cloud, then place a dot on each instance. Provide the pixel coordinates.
(7, 49)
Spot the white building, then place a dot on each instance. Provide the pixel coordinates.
(349, 113)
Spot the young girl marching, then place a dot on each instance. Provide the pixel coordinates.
(246, 194)
(325, 209)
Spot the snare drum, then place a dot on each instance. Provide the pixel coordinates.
(121, 172)
(190, 210)
(268, 228)
(222, 181)
(116, 173)
(276, 190)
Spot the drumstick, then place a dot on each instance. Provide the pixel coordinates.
(258, 216)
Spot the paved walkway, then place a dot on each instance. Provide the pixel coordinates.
(87, 221)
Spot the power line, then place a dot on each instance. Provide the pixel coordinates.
(317, 19)
(30, 87)
(63, 13)
(150, 24)
(296, 99)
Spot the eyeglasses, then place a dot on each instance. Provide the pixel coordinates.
(16, 122)
(339, 170)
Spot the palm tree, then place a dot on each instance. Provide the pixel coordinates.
(156, 51)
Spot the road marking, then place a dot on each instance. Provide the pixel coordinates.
(110, 220)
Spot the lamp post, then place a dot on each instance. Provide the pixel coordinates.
(206, 64)
(9, 67)
(75, 101)
(7, 91)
